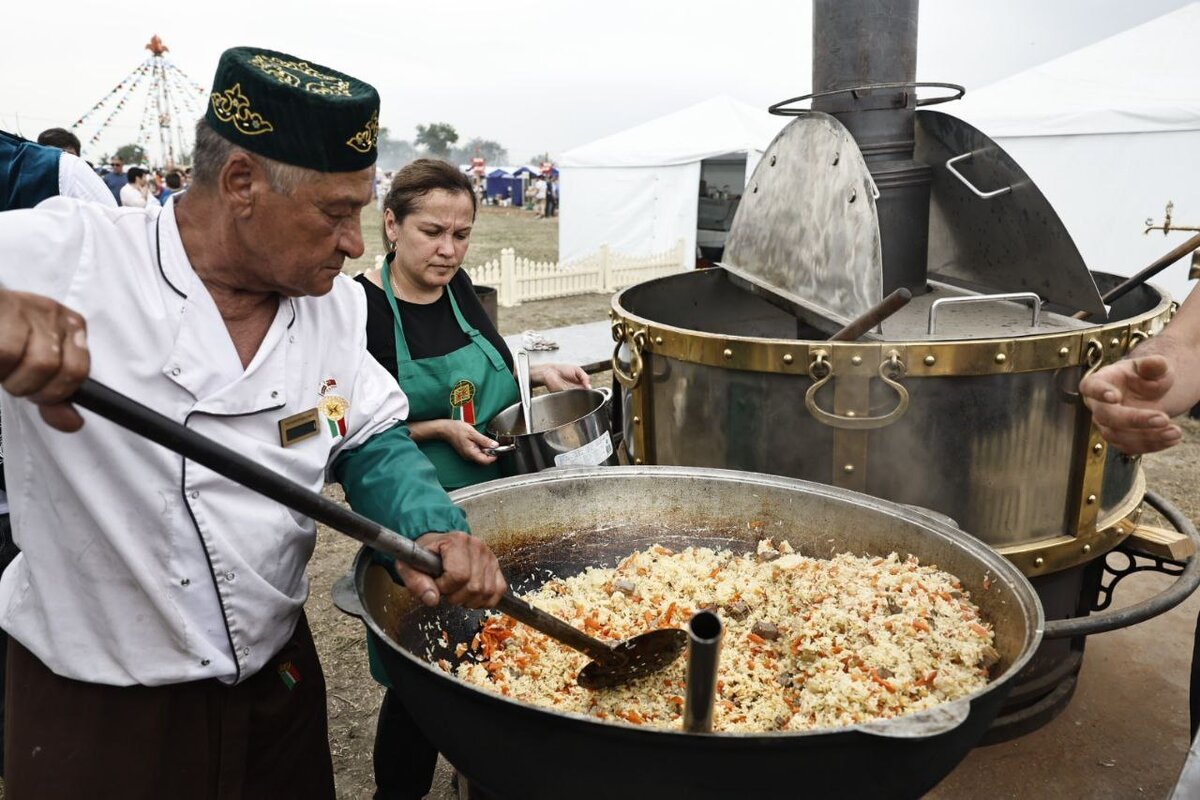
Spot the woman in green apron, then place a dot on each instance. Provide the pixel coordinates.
(427, 327)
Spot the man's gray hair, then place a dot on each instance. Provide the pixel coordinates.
(213, 150)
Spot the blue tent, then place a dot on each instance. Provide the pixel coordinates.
(499, 182)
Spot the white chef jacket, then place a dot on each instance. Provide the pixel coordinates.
(139, 567)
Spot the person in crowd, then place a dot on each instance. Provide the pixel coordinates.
(115, 179)
(426, 327)
(61, 138)
(172, 183)
(136, 191)
(539, 196)
(158, 642)
(1134, 400)
(552, 196)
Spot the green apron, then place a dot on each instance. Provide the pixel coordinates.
(471, 383)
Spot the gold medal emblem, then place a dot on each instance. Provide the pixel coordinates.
(333, 406)
(462, 393)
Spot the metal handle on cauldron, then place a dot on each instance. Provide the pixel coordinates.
(1179, 591)
(146, 422)
(963, 178)
(1035, 303)
(822, 373)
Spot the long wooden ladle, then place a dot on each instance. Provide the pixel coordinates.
(612, 665)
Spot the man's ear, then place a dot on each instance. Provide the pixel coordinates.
(241, 181)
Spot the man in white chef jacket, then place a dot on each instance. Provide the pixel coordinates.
(159, 646)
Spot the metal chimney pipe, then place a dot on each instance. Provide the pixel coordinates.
(863, 43)
(704, 652)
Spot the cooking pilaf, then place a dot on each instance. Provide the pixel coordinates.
(808, 643)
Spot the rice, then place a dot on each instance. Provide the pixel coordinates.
(809, 643)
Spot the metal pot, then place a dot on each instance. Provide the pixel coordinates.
(563, 521)
(571, 428)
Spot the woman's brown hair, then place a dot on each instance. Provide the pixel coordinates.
(418, 179)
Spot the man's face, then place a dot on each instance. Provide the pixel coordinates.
(117, 166)
(302, 240)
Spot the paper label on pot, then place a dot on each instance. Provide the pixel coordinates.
(592, 454)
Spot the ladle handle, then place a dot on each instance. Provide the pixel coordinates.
(139, 419)
(523, 386)
(554, 627)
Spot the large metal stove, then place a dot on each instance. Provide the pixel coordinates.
(965, 401)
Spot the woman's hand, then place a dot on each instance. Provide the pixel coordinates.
(557, 377)
(466, 441)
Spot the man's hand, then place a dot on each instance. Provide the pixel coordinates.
(43, 355)
(471, 576)
(1127, 403)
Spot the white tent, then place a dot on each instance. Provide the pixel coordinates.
(637, 191)
(1109, 133)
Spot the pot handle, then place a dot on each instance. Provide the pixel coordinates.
(345, 597)
(500, 449)
(607, 392)
(889, 372)
(922, 725)
(1113, 619)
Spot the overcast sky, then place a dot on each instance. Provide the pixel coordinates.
(535, 75)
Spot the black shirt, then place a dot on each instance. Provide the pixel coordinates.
(430, 329)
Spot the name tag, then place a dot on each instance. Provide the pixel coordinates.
(298, 427)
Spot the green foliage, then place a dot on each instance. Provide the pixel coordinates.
(490, 151)
(131, 154)
(437, 137)
(394, 153)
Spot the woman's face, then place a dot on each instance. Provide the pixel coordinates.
(432, 241)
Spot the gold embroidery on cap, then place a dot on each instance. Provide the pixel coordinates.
(292, 73)
(233, 106)
(364, 141)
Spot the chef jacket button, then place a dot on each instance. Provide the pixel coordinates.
(292, 339)
(204, 662)
(175, 371)
(229, 576)
(195, 495)
(274, 394)
(186, 582)
(245, 651)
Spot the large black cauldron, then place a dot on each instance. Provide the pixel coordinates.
(564, 520)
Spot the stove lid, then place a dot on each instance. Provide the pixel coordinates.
(807, 223)
(990, 228)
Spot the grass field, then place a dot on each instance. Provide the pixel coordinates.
(495, 229)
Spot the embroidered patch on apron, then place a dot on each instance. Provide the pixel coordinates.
(333, 407)
(462, 398)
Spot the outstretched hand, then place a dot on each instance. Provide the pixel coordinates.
(1127, 404)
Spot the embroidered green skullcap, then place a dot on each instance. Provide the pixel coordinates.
(294, 111)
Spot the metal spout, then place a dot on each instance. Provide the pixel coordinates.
(704, 652)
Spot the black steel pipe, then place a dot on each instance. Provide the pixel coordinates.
(861, 43)
(704, 652)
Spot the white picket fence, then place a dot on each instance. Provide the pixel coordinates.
(519, 280)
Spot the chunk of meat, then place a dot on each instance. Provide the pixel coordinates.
(738, 609)
(767, 630)
(624, 586)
